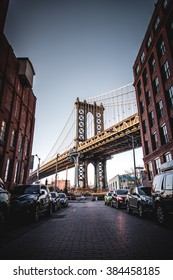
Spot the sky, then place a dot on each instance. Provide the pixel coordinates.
(78, 48)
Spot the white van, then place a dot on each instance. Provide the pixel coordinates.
(162, 192)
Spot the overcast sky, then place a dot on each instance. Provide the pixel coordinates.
(78, 48)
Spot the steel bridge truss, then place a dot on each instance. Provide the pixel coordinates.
(96, 150)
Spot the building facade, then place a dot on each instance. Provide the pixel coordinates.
(17, 112)
(153, 81)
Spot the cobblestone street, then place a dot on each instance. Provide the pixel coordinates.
(89, 230)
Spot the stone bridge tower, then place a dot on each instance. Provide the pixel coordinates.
(81, 162)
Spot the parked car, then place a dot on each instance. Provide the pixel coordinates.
(4, 208)
(119, 198)
(139, 199)
(162, 193)
(63, 199)
(55, 201)
(32, 199)
(107, 198)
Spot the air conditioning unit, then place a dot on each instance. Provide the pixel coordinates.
(26, 71)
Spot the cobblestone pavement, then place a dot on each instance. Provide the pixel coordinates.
(89, 230)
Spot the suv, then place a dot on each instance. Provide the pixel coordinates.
(63, 199)
(4, 208)
(32, 200)
(119, 198)
(139, 199)
(162, 192)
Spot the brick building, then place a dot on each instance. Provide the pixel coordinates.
(153, 81)
(17, 111)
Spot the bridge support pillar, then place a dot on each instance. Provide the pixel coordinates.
(100, 174)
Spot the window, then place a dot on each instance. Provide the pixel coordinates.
(12, 142)
(152, 63)
(166, 70)
(148, 94)
(168, 157)
(2, 131)
(164, 134)
(151, 118)
(139, 89)
(167, 182)
(170, 96)
(142, 106)
(142, 57)
(165, 3)
(144, 126)
(156, 85)
(155, 141)
(7, 170)
(160, 109)
(137, 69)
(149, 41)
(150, 171)
(145, 77)
(162, 48)
(156, 24)
(157, 165)
(16, 171)
(147, 150)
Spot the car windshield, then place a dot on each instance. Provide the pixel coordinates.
(62, 195)
(119, 192)
(26, 189)
(110, 194)
(144, 191)
(53, 195)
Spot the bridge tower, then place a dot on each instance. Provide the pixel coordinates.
(81, 161)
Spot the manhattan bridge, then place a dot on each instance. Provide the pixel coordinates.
(97, 129)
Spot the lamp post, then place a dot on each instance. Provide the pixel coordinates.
(134, 159)
(56, 169)
(38, 167)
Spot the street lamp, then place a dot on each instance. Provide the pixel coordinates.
(134, 159)
(38, 167)
(56, 169)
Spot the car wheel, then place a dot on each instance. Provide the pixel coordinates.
(59, 207)
(129, 210)
(160, 214)
(49, 212)
(112, 205)
(116, 205)
(55, 207)
(35, 215)
(140, 211)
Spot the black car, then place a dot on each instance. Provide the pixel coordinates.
(4, 208)
(139, 199)
(162, 193)
(32, 200)
(55, 201)
(63, 199)
(119, 198)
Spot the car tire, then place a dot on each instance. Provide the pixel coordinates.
(50, 211)
(35, 214)
(160, 214)
(140, 210)
(55, 208)
(112, 205)
(116, 205)
(129, 210)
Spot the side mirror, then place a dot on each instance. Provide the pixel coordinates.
(42, 192)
